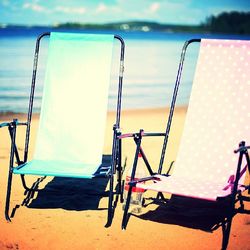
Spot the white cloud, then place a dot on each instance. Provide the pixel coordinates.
(34, 7)
(154, 7)
(101, 8)
(60, 9)
(70, 10)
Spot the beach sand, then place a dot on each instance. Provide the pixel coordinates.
(72, 213)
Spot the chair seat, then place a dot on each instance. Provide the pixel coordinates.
(62, 169)
(191, 187)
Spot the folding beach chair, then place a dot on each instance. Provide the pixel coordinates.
(218, 119)
(72, 123)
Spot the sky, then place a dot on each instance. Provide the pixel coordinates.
(49, 12)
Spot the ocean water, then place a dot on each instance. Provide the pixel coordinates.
(151, 63)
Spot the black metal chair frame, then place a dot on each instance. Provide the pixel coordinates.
(242, 150)
(116, 165)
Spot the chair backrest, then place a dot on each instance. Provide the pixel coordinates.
(218, 116)
(75, 95)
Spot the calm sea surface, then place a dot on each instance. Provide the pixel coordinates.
(151, 62)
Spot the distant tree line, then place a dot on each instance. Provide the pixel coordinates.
(228, 22)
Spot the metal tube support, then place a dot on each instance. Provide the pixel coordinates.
(248, 166)
(15, 147)
(172, 107)
(146, 161)
(125, 214)
(238, 173)
(111, 186)
(227, 226)
(119, 170)
(12, 130)
(119, 96)
(115, 129)
(32, 91)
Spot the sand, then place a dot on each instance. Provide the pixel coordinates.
(71, 214)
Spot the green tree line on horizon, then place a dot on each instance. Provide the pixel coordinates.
(226, 22)
(229, 22)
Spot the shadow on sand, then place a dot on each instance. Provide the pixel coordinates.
(71, 194)
(196, 214)
(68, 193)
(189, 212)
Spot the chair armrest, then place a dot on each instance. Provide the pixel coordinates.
(144, 134)
(134, 182)
(4, 124)
(17, 123)
(242, 148)
(12, 127)
(154, 177)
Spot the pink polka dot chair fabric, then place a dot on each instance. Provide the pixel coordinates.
(218, 119)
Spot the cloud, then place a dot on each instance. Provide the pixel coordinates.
(35, 7)
(101, 8)
(104, 9)
(59, 9)
(70, 10)
(154, 7)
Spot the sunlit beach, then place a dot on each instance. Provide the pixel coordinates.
(140, 87)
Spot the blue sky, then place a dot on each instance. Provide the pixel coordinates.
(47, 12)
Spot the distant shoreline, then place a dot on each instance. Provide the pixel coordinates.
(225, 23)
(112, 27)
(120, 26)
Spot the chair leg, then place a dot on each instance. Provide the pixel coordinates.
(7, 203)
(12, 132)
(122, 181)
(226, 228)
(122, 191)
(125, 214)
(110, 204)
(119, 182)
(119, 168)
